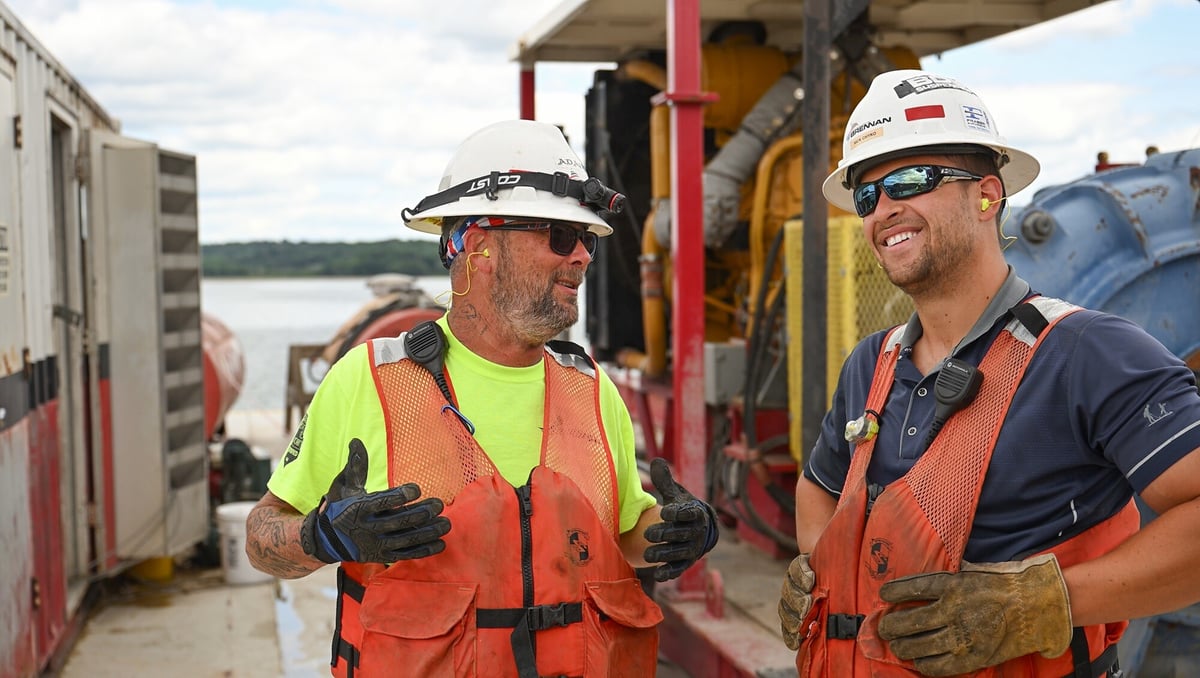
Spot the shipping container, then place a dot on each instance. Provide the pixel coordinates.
(102, 454)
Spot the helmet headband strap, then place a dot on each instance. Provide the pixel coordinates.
(590, 192)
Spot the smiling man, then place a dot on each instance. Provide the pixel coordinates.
(967, 507)
(474, 479)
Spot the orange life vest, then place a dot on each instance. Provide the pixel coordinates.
(921, 522)
(532, 581)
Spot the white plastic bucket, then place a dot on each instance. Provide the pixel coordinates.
(231, 526)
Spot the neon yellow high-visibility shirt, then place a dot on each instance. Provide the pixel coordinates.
(504, 403)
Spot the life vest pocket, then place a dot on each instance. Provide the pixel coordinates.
(620, 629)
(810, 660)
(418, 628)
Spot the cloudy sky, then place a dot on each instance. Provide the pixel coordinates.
(321, 119)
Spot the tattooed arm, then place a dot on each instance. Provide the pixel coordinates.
(273, 539)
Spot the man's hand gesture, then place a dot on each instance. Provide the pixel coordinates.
(688, 529)
(378, 527)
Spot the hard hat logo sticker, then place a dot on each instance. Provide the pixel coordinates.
(925, 83)
(925, 112)
(859, 129)
(573, 164)
(976, 118)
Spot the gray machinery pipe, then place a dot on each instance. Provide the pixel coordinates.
(775, 114)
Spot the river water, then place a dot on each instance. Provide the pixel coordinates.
(269, 314)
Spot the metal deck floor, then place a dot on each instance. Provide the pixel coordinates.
(197, 626)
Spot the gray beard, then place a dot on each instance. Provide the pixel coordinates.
(535, 315)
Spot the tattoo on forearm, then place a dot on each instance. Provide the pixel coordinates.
(273, 542)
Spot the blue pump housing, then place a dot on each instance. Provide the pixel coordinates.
(1125, 241)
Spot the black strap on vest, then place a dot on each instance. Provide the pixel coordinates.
(570, 348)
(843, 626)
(349, 587)
(1105, 665)
(1080, 655)
(541, 617)
(846, 626)
(524, 621)
(341, 647)
(1029, 316)
(348, 653)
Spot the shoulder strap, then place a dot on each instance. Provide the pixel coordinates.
(1031, 318)
(570, 354)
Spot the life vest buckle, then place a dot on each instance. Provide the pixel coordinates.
(843, 626)
(545, 616)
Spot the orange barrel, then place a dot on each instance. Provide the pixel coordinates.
(224, 371)
(385, 316)
(393, 323)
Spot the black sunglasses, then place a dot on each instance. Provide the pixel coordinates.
(906, 182)
(562, 236)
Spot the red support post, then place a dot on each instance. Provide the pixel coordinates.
(526, 91)
(687, 239)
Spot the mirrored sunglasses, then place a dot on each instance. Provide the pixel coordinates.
(562, 236)
(906, 182)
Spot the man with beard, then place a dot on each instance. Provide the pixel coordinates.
(967, 507)
(474, 478)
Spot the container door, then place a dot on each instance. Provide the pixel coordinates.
(17, 645)
(71, 331)
(141, 205)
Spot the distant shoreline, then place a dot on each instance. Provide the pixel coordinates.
(287, 259)
(339, 276)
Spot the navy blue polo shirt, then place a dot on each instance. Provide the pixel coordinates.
(1102, 410)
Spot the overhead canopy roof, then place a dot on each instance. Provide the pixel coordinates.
(614, 30)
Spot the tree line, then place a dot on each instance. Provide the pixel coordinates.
(299, 259)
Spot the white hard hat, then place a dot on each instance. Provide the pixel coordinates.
(516, 168)
(911, 112)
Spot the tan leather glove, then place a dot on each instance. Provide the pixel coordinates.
(795, 600)
(982, 616)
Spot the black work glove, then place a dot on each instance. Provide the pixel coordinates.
(688, 530)
(381, 527)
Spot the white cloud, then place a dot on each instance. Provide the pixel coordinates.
(313, 120)
(1105, 79)
(1104, 21)
(320, 119)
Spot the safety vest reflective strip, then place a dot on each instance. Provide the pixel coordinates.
(531, 576)
(921, 523)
